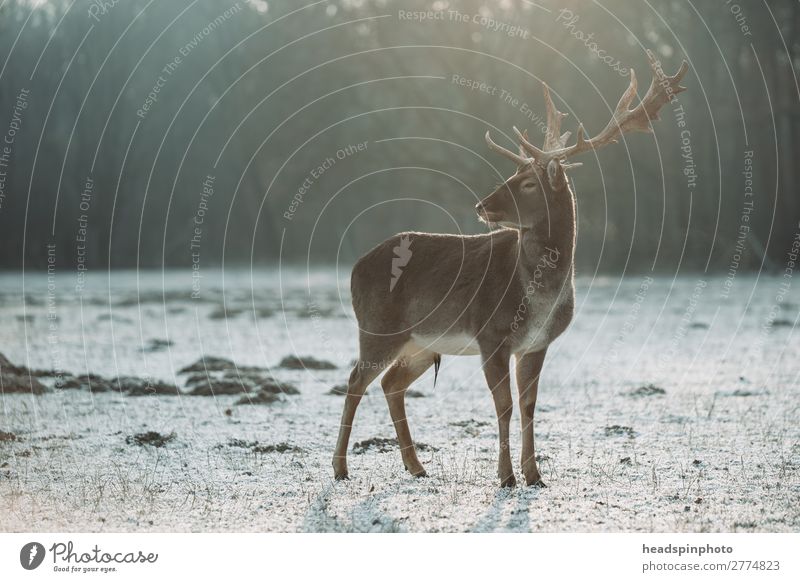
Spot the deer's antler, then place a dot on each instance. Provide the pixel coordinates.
(517, 158)
(662, 90)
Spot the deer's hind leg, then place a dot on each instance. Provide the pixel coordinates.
(375, 354)
(409, 366)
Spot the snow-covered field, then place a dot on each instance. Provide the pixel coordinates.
(668, 405)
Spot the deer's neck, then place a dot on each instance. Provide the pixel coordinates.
(547, 247)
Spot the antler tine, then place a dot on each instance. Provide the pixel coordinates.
(535, 152)
(662, 88)
(554, 116)
(518, 159)
(522, 151)
(622, 114)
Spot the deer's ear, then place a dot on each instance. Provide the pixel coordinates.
(556, 175)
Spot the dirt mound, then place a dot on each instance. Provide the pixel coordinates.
(18, 379)
(739, 392)
(150, 438)
(278, 448)
(648, 390)
(305, 363)
(274, 387)
(260, 397)
(384, 445)
(6, 367)
(130, 385)
(260, 448)
(156, 345)
(133, 386)
(618, 430)
(212, 387)
(471, 426)
(223, 312)
(20, 384)
(90, 382)
(241, 380)
(209, 364)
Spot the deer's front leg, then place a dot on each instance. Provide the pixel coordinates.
(529, 367)
(496, 369)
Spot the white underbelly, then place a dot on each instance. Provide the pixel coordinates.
(454, 344)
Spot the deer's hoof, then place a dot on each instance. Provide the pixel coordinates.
(339, 470)
(509, 481)
(534, 479)
(416, 469)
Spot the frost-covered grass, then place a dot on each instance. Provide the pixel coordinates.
(718, 450)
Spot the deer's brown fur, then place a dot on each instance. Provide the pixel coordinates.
(506, 293)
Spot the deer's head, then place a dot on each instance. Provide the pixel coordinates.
(541, 173)
(523, 198)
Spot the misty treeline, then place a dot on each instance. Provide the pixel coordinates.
(204, 132)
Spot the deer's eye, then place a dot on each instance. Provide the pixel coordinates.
(529, 185)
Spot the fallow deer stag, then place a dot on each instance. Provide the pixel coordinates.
(507, 292)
